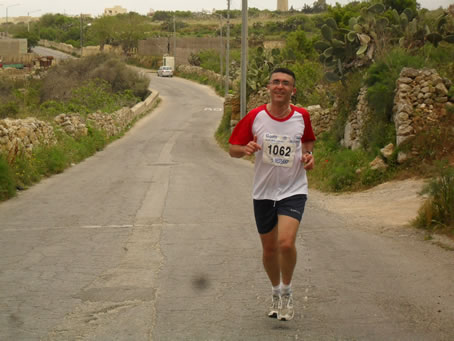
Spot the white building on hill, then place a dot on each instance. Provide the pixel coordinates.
(115, 10)
(282, 5)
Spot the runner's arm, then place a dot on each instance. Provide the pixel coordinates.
(238, 151)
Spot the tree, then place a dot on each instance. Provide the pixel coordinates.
(298, 47)
(401, 5)
(103, 30)
(130, 28)
(32, 38)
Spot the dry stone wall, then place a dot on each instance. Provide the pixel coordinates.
(354, 128)
(23, 135)
(322, 119)
(421, 96)
(420, 102)
(260, 98)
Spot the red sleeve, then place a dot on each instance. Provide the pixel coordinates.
(242, 133)
(308, 134)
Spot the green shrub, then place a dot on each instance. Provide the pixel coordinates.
(381, 81)
(88, 145)
(347, 99)
(438, 210)
(26, 170)
(308, 76)
(9, 109)
(47, 160)
(204, 80)
(53, 160)
(91, 96)
(148, 62)
(341, 178)
(7, 181)
(210, 60)
(60, 81)
(370, 177)
(299, 48)
(339, 169)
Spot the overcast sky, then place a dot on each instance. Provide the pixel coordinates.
(96, 7)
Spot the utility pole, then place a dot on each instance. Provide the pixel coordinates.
(221, 51)
(81, 36)
(174, 43)
(28, 19)
(244, 46)
(7, 26)
(227, 55)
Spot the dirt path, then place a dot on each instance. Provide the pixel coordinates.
(388, 207)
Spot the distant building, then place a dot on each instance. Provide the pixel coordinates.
(17, 20)
(11, 49)
(282, 5)
(115, 10)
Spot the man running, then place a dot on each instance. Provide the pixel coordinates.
(281, 137)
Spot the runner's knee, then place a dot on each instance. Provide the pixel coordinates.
(286, 245)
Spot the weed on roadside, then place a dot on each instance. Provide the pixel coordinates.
(7, 183)
(437, 212)
(222, 134)
(341, 169)
(28, 169)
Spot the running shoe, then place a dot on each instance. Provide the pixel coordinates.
(274, 309)
(286, 311)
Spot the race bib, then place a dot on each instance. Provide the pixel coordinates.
(278, 150)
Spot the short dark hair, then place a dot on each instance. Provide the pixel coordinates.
(284, 70)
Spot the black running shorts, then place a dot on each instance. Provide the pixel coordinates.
(266, 211)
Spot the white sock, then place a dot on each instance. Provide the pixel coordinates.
(277, 290)
(286, 289)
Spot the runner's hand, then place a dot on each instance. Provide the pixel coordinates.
(308, 160)
(252, 147)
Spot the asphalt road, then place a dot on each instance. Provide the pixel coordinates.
(43, 51)
(154, 239)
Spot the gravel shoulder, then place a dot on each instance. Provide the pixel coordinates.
(389, 207)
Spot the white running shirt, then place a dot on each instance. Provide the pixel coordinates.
(279, 172)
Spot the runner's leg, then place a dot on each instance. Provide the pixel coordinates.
(271, 256)
(287, 230)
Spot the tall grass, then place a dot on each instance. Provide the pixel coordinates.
(44, 161)
(437, 212)
(381, 81)
(217, 86)
(7, 182)
(222, 134)
(340, 169)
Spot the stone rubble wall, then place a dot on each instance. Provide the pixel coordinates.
(257, 99)
(321, 119)
(22, 135)
(112, 124)
(354, 127)
(421, 96)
